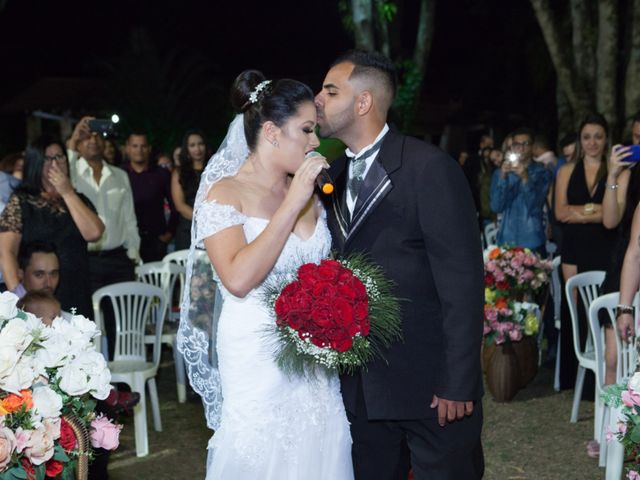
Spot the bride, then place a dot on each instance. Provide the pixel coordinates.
(254, 220)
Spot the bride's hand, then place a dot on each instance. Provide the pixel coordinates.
(304, 181)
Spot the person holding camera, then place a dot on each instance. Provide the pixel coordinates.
(518, 191)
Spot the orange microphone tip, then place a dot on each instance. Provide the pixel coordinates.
(327, 188)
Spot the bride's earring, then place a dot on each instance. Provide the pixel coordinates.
(275, 143)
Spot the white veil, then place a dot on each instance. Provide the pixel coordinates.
(201, 302)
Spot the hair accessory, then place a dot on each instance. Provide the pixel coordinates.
(253, 96)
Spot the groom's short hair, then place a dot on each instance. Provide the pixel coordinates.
(375, 70)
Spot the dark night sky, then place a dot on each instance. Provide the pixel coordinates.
(487, 54)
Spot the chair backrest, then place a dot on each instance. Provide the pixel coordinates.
(555, 286)
(626, 352)
(588, 286)
(490, 233)
(163, 275)
(134, 303)
(179, 257)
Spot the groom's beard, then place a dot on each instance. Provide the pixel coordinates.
(332, 126)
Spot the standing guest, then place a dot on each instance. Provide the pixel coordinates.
(112, 153)
(151, 187)
(586, 243)
(406, 204)
(8, 184)
(567, 146)
(543, 154)
(184, 183)
(622, 195)
(176, 156)
(13, 164)
(45, 207)
(164, 161)
(518, 192)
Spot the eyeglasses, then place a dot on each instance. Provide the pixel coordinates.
(54, 158)
(520, 145)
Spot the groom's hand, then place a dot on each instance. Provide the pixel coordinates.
(451, 410)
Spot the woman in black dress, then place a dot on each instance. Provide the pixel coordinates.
(185, 179)
(586, 243)
(45, 207)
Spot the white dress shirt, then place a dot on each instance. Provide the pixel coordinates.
(351, 201)
(112, 198)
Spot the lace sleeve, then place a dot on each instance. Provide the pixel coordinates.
(11, 218)
(213, 217)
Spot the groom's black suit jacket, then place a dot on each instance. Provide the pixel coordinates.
(414, 216)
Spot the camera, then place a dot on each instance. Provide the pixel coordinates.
(102, 126)
(513, 158)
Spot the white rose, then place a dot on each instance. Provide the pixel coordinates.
(634, 382)
(54, 351)
(15, 334)
(74, 338)
(22, 376)
(100, 384)
(8, 359)
(8, 309)
(85, 326)
(73, 379)
(47, 402)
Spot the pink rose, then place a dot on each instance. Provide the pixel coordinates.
(7, 446)
(515, 335)
(630, 398)
(487, 329)
(633, 475)
(52, 427)
(39, 448)
(22, 439)
(622, 427)
(104, 433)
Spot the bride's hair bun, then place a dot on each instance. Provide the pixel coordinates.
(244, 84)
(274, 101)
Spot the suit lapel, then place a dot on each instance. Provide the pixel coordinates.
(377, 183)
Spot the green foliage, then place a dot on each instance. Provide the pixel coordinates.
(344, 8)
(409, 84)
(14, 473)
(387, 11)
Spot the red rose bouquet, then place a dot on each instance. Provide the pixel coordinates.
(338, 314)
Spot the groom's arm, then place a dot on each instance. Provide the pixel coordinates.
(448, 221)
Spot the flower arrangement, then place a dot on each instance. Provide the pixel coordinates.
(337, 314)
(627, 397)
(48, 374)
(515, 271)
(508, 320)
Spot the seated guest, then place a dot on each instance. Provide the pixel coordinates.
(45, 207)
(38, 268)
(42, 304)
(151, 187)
(518, 191)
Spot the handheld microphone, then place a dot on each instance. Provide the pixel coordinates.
(324, 182)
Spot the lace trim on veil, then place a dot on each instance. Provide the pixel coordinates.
(202, 302)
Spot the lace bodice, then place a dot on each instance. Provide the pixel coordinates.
(215, 217)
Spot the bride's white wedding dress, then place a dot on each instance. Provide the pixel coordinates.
(273, 426)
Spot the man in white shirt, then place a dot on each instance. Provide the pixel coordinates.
(112, 258)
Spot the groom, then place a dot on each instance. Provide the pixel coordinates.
(407, 205)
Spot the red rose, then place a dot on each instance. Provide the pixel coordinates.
(488, 280)
(359, 288)
(295, 320)
(327, 273)
(346, 292)
(324, 289)
(342, 345)
(307, 274)
(26, 464)
(333, 264)
(352, 330)
(321, 315)
(361, 311)
(365, 327)
(53, 468)
(67, 437)
(344, 311)
(502, 286)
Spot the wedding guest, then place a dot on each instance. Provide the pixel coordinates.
(184, 183)
(38, 268)
(567, 147)
(542, 152)
(151, 186)
(176, 156)
(45, 207)
(42, 304)
(622, 195)
(112, 153)
(164, 161)
(586, 243)
(518, 192)
(13, 164)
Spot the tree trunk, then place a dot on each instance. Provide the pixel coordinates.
(566, 120)
(362, 11)
(424, 37)
(632, 75)
(383, 29)
(583, 39)
(607, 61)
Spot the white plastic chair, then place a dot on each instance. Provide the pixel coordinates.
(626, 359)
(165, 276)
(588, 286)
(133, 303)
(490, 233)
(555, 289)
